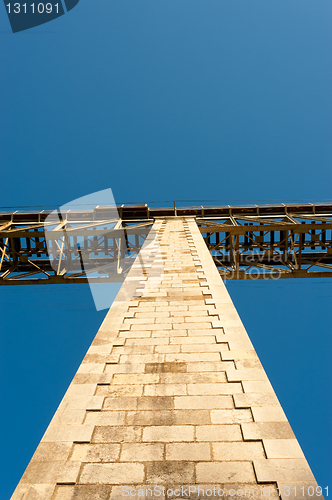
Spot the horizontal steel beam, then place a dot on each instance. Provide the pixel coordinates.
(269, 241)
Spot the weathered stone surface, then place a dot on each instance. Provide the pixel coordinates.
(165, 390)
(192, 378)
(268, 414)
(119, 390)
(283, 470)
(230, 416)
(168, 417)
(188, 451)
(95, 452)
(142, 452)
(169, 472)
(116, 473)
(214, 433)
(52, 452)
(202, 402)
(34, 492)
(165, 367)
(105, 418)
(214, 388)
(105, 434)
(51, 472)
(235, 472)
(57, 433)
(282, 448)
(171, 392)
(169, 433)
(255, 399)
(143, 403)
(237, 451)
(82, 492)
(268, 430)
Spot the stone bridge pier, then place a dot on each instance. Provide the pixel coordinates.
(171, 400)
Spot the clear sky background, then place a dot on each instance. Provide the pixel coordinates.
(226, 100)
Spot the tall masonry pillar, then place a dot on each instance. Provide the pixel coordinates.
(171, 400)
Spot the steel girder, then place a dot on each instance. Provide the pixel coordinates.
(246, 242)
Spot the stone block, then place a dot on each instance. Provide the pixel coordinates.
(165, 368)
(194, 326)
(169, 472)
(255, 399)
(115, 473)
(169, 333)
(193, 378)
(51, 472)
(203, 348)
(119, 390)
(214, 388)
(125, 368)
(52, 452)
(33, 492)
(230, 416)
(92, 378)
(105, 418)
(142, 358)
(165, 390)
(205, 339)
(221, 472)
(237, 451)
(218, 366)
(239, 354)
(188, 451)
(81, 390)
(139, 349)
(141, 334)
(268, 414)
(68, 416)
(136, 378)
(101, 349)
(65, 433)
(279, 469)
(207, 332)
(168, 434)
(142, 452)
(82, 403)
(282, 448)
(250, 374)
(168, 417)
(95, 452)
(202, 402)
(260, 386)
(190, 357)
(245, 364)
(267, 430)
(147, 341)
(213, 433)
(108, 434)
(82, 492)
(166, 349)
(91, 368)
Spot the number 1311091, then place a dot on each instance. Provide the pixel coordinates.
(33, 8)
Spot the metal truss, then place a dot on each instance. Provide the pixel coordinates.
(288, 242)
(246, 242)
(84, 247)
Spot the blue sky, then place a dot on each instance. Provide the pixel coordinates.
(226, 100)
